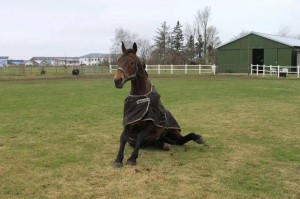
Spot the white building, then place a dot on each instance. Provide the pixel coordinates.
(29, 63)
(93, 59)
(3, 61)
(56, 61)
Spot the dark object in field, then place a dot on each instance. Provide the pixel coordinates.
(146, 122)
(75, 72)
(43, 72)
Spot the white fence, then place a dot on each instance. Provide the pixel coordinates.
(275, 70)
(172, 68)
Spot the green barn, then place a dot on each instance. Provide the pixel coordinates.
(257, 48)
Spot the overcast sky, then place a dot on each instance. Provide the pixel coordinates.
(78, 27)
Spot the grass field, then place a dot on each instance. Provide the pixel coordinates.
(58, 138)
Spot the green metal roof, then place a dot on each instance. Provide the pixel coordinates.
(280, 39)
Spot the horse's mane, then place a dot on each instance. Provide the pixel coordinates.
(144, 66)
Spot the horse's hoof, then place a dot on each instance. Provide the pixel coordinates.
(200, 140)
(117, 164)
(131, 163)
(166, 147)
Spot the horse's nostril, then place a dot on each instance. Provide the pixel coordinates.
(118, 82)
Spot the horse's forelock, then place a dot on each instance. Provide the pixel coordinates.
(128, 51)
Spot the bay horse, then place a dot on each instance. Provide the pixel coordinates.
(146, 122)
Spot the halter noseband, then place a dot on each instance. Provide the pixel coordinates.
(129, 77)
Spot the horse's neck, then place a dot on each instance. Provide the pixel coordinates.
(140, 85)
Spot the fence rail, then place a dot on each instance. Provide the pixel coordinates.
(52, 70)
(173, 68)
(274, 70)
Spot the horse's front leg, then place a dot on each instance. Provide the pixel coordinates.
(140, 138)
(120, 156)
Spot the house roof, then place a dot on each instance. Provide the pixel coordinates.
(96, 55)
(30, 61)
(3, 57)
(15, 62)
(52, 58)
(284, 40)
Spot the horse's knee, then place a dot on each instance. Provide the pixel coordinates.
(162, 145)
(166, 146)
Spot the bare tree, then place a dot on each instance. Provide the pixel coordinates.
(201, 19)
(213, 41)
(189, 31)
(198, 39)
(284, 31)
(129, 38)
(145, 48)
(122, 35)
(241, 34)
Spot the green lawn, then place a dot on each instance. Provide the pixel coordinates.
(58, 138)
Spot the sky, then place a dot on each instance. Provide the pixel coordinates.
(77, 27)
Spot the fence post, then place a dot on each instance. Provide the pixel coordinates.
(158, 71)
(264, 70)
(256, 69)
(251, 69)
(278, 71)
(110, 68)
(214, 67)
(199, 69)
(185, 69)
(172, 69)
(146, 67)
(298, 71)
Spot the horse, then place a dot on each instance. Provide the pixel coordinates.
(146, 122)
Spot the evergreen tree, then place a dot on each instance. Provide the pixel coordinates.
(161, 42)
(177, 39)
(190, 49)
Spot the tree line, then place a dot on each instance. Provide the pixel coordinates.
(196, 44)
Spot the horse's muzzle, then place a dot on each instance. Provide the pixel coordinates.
(119, 82)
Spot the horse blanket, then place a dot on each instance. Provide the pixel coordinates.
(148, 107)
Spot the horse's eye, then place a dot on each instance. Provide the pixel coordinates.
(132, 62)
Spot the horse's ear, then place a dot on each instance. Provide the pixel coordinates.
(134, 47)
(123, 47)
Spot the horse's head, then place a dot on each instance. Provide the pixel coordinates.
(127, 66)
